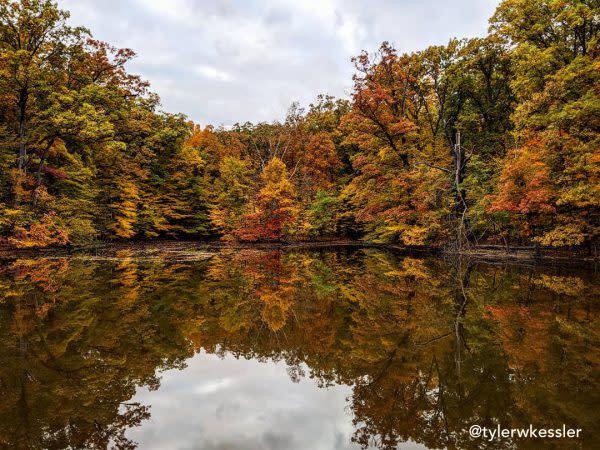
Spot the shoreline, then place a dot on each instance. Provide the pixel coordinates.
(490, 253)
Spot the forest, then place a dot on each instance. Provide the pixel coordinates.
(491, 140)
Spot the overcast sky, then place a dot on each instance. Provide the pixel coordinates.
(226, 61)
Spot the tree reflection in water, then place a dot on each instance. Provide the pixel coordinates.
(428, 347)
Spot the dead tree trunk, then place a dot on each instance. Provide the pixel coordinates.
(460, 200)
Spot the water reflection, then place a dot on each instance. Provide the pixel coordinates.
(347, 348)
(229, 403)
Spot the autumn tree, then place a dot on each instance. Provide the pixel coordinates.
(556, 60)
(274, 207)
(385, 125)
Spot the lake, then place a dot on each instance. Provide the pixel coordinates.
(187, 346)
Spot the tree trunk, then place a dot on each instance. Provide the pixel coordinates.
(460, 201)
(22, 158)
(38, 178)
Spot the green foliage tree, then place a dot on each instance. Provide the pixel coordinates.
(233, 189)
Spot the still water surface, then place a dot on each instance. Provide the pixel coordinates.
(180, 347)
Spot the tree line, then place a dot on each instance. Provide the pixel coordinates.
(484, 140)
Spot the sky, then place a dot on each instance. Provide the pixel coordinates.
(225, 61)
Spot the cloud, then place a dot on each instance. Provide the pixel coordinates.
(231, 403)
(213, 73)
(222, 62)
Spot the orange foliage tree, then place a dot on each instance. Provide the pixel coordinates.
(275, 206)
